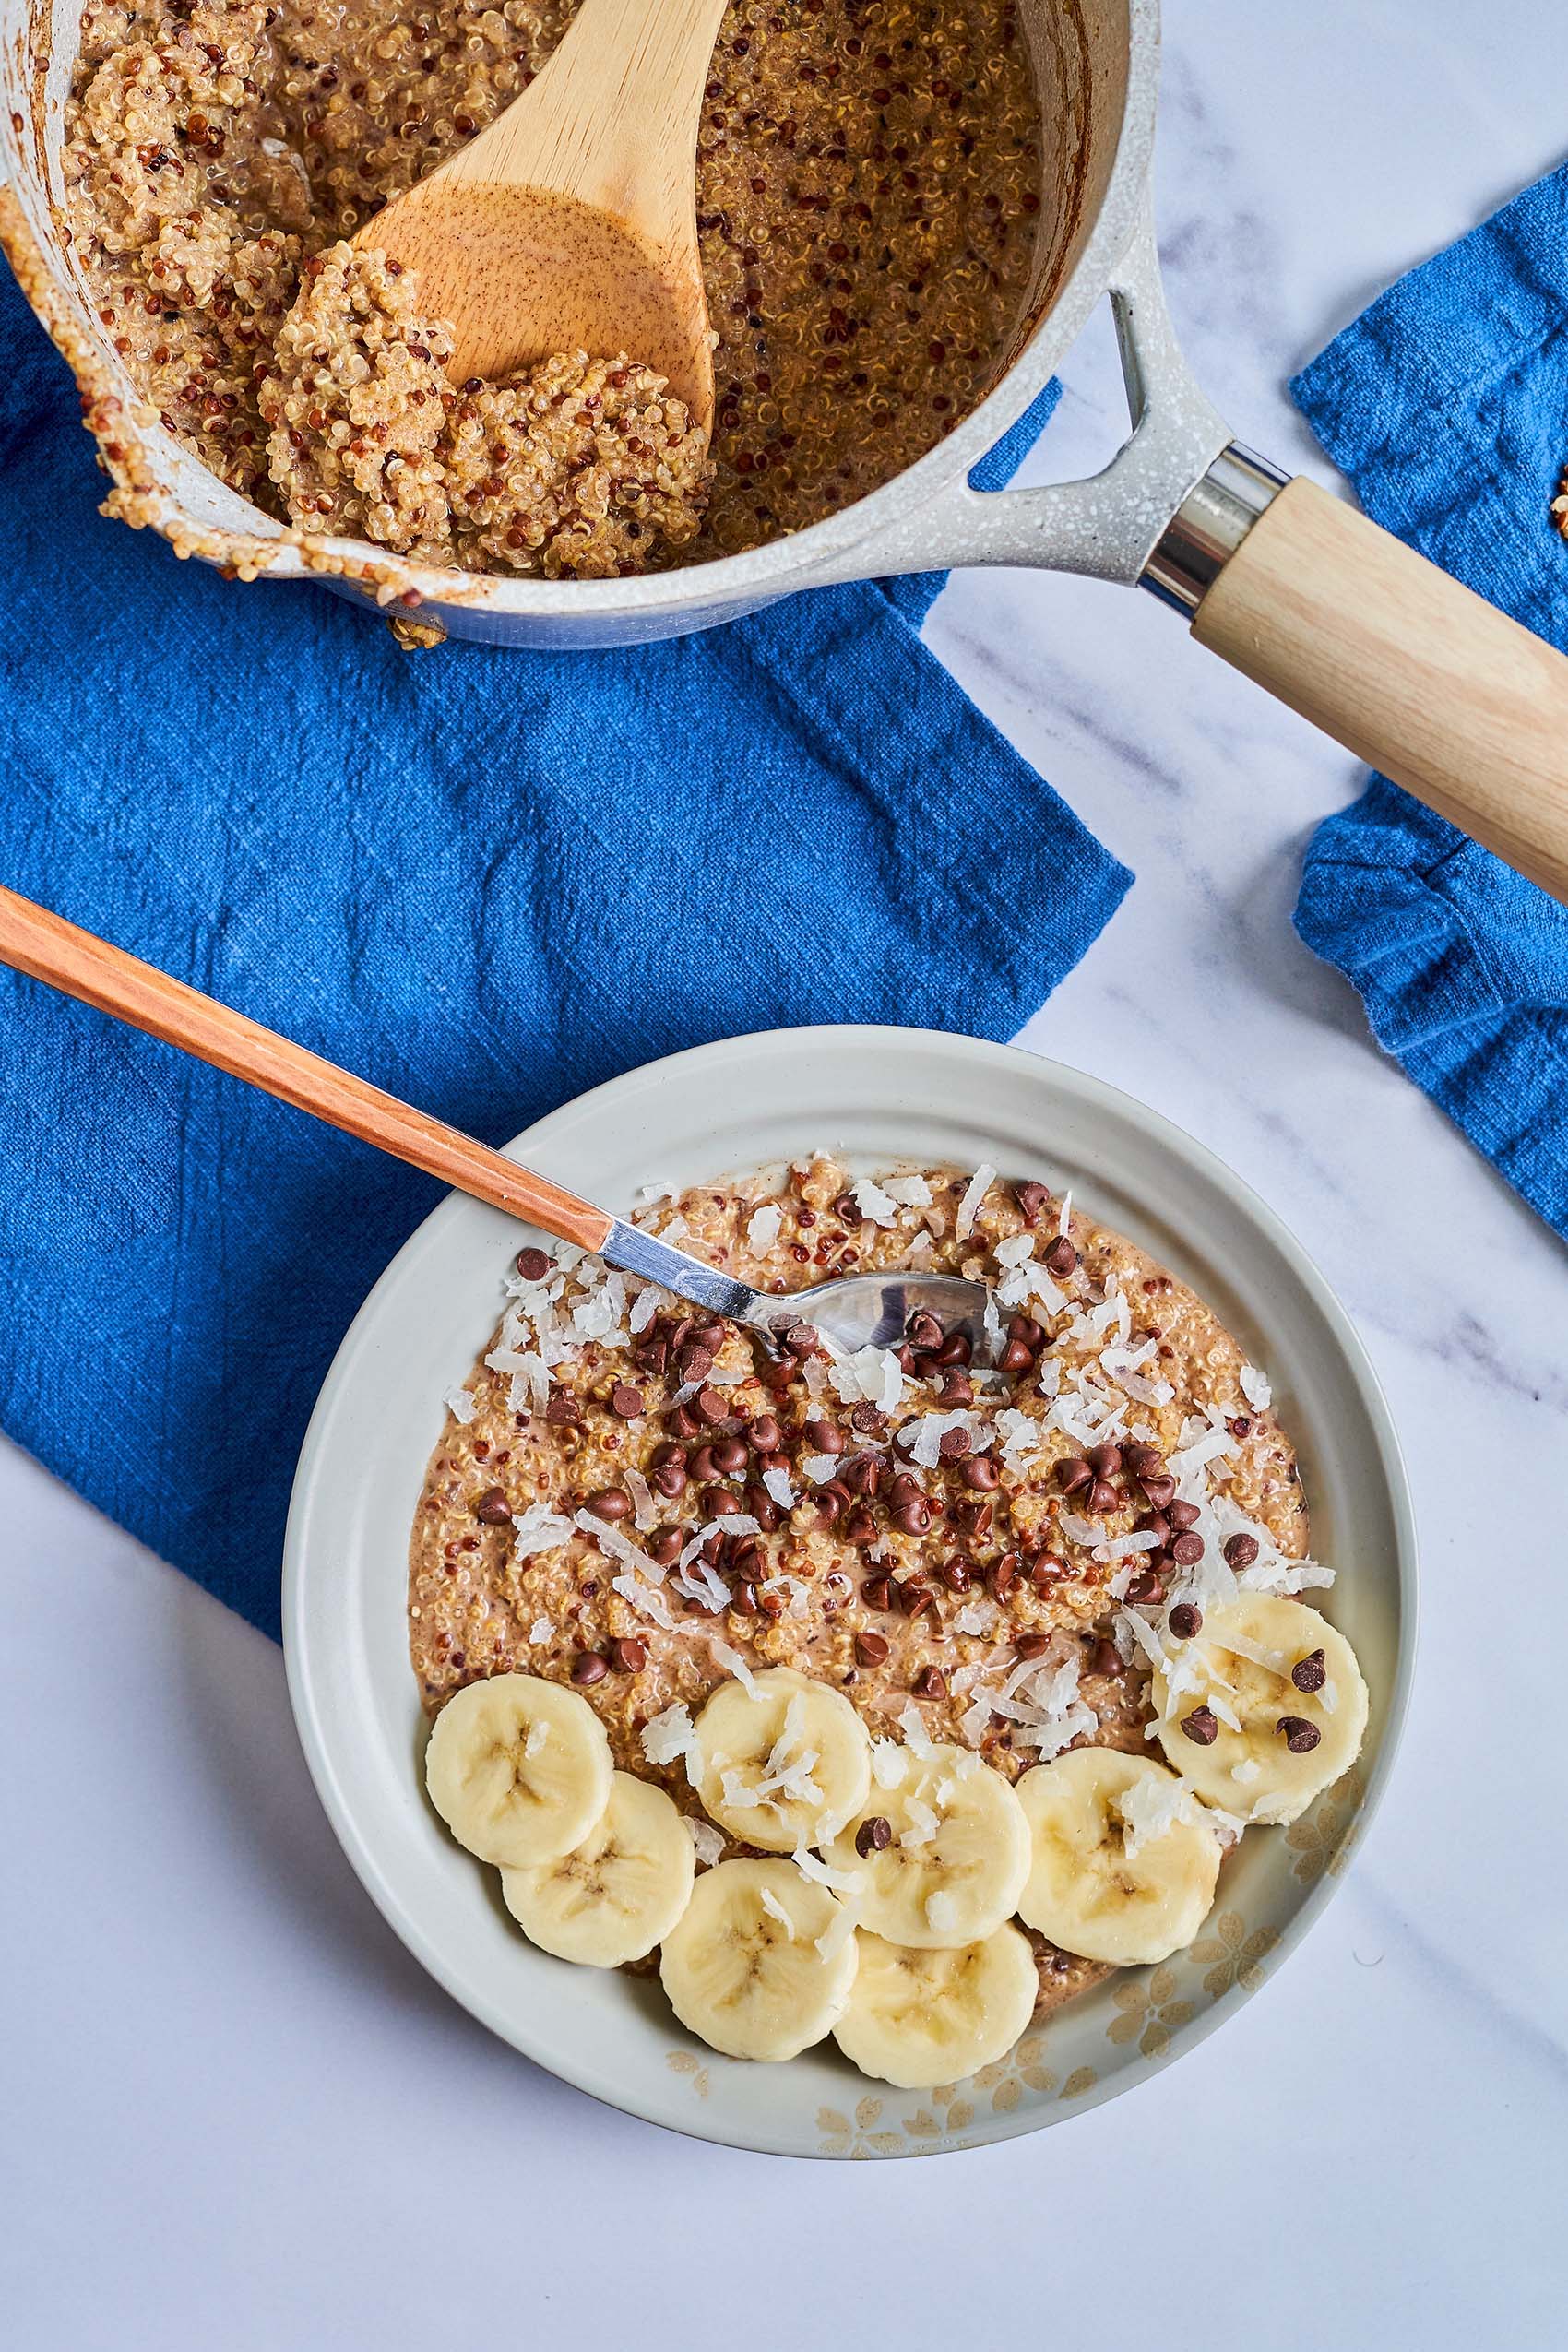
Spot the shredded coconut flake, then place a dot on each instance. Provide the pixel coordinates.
(880, 1208)
(811, 1865)
(763, 1229)
(707, 1839)
(980, 1184)
(539, 1529)
(462, 1404)
(836, 1933)
(667, 1738)
(909, 1191)
(1256, 1388)
(940, 1911)
(540, 1631)
(645, 1511)
(775, 1910)
(733, 1663)
(779, 1487)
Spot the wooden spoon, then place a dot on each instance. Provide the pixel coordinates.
(570, 224)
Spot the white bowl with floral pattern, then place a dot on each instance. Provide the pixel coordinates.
(875, 1096)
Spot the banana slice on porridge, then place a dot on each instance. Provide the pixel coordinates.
(618, 1894)
(518, 1768)
(762, 1961)
(917, 2017)
(941, 1847)
(780, 1764)
(1263, 1708)
(1125, 1858)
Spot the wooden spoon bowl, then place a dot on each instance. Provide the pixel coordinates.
(570, 223)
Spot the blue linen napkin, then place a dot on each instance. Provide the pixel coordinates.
(1447, 404)
(486, 881)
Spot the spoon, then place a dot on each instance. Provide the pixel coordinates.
(858, 1310)
(570, 223)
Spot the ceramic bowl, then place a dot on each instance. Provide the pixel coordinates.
(871, 1095)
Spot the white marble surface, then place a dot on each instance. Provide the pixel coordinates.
(236, 2113)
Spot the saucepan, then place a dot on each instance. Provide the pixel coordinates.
(1288, 584)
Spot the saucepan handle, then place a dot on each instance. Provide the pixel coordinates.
(1430, 683)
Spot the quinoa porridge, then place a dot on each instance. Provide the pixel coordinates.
(867, 209)
(1010, 1559)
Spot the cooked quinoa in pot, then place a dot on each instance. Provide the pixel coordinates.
(867, 205)
(642, 1505)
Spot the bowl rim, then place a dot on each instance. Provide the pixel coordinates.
(875, 1039)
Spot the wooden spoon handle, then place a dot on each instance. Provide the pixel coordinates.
(1432, 684)
(40, 944)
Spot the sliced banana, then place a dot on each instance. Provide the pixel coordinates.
(781, 1765)
(917, 2017)
(760, 1962)
(518, 1768)
(1238, 1671)
(957, 1853)
(618, 1894)
(1085, 1890)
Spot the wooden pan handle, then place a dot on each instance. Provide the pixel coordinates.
(38, 942)
(1430, 684)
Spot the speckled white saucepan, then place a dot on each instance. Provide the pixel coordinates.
(1434, 687)
(875, 1095)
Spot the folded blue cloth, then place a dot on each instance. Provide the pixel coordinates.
(484, 880)
(1447, 404)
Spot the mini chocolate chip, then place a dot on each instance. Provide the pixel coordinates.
(1186, 1620)
(1073, 1474)
(764, 1435)
(825, 1437)
(923, 1332)
(911, 1519)
(665, 1547)
(1300, 1736)
(1015, 1358)
(1031, 1198)
(874, 1837)
(1104, 1460)
(1061, 1257)
(863, 1475)
(493, 1508)
(588, 1667)
(1156, 1523)
(1310, 1673)
(1031, 1644)
(745, 1598)
(954, 1444)
(763, 1508)
(1158, 1493)
(729, 1454)
(847, 1210)
(532, 1264)
(702, 1462)
(1146, 1588)
(956, 1349)
(669, 1479)
(564, 1411)
(712, 1405)
(1105, 1657)
(610, 1503)
(628, 1654)
(1183, 1515)
(956, 1388)
(1026, 1328)
(800, 1339)
(870, 1649)
(915, 1598)
(1203, 1725)
(694, 1363)
(929, 1683)
(625, 1400)
(1240, 1550)
(981, 1473)
(1187, 1550)
(956, 1575)
(865, 1418)
(721, 1502)
(1102, 1496)
(1143, 1461)
(828, 1508)
(877, 1592)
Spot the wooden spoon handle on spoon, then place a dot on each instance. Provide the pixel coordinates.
(40, 944)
